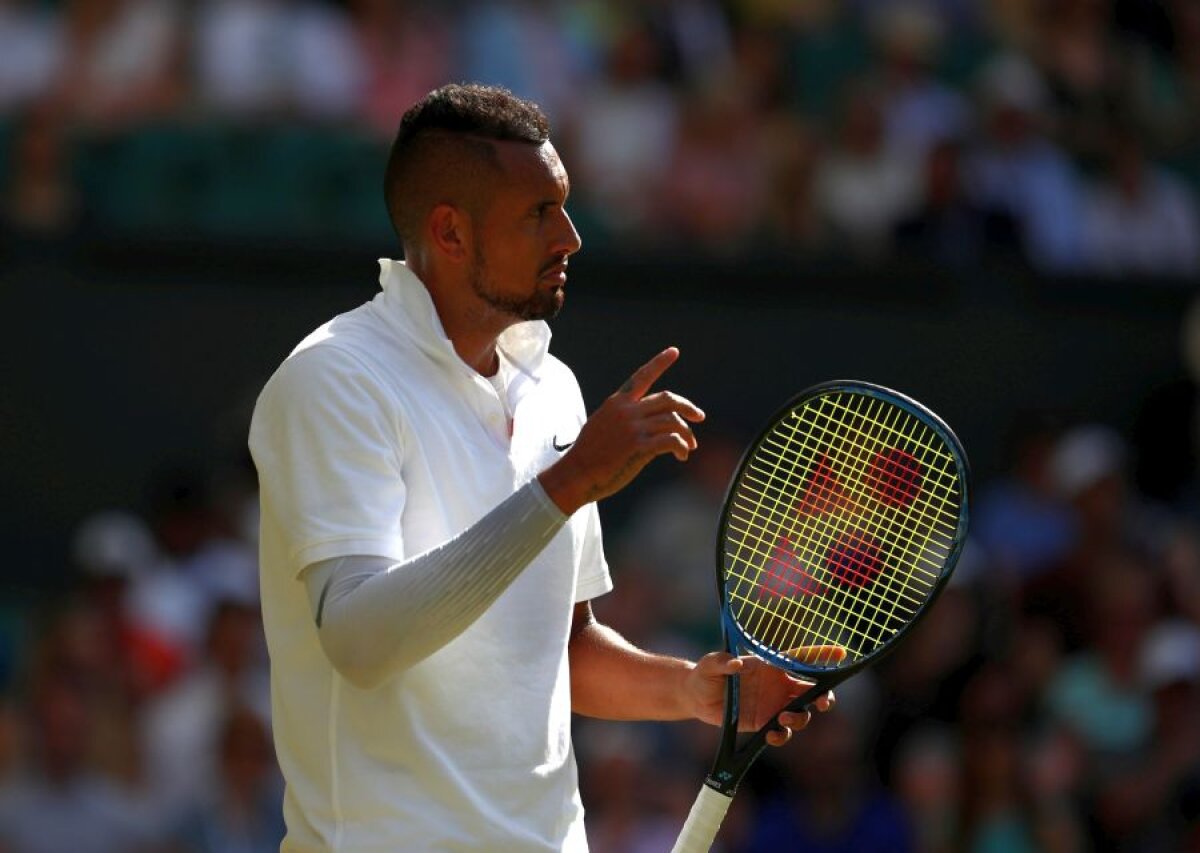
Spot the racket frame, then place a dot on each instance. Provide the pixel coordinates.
(733, 761)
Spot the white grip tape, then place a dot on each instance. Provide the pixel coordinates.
(703, 822)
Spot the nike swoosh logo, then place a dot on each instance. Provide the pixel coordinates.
(560, 447)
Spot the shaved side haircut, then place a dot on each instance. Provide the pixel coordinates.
(443, 152)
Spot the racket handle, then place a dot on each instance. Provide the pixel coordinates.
(703, 822)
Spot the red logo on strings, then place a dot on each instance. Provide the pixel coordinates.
(784, 574)
(854, 559)
(824, 493)
(895, 477)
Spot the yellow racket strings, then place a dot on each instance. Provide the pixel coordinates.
(896, 527)
(834, 602)
(835, 595)
(890, 588)
(808, 533)
(839, 443)
(818, 536)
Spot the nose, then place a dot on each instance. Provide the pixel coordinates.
(569, 241)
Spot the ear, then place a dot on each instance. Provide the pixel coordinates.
(450, 232)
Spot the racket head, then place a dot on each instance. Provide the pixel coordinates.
(842, 523)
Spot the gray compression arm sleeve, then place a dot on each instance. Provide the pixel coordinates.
(377, 617)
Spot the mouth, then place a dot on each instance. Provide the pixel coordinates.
(555, 272)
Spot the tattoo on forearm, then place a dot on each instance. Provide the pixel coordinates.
(622, 475)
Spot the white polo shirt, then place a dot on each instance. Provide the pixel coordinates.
(375, 438)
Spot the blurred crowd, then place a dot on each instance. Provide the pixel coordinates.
(1051, 700)
(1063, 133)
(135, 709)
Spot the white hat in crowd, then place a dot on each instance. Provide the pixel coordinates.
(1171, 655)
(1085, 456)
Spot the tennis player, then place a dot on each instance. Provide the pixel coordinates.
(430, 539)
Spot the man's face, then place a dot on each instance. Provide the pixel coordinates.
(525, 236)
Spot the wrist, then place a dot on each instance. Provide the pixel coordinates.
(561, 486)
(691, 692)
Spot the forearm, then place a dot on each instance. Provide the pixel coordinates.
(377, 619)
(614, 680)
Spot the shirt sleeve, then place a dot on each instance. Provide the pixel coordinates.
(327, 443)
(594, 578)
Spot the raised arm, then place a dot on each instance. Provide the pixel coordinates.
(377, 616)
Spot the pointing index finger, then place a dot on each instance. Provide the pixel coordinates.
(645, 376)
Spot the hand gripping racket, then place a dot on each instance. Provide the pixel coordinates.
(842, 524)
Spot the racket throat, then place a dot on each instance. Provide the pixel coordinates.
(732, 761)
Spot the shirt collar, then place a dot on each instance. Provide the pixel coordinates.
(406, 301)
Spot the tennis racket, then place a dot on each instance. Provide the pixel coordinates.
(842, 524)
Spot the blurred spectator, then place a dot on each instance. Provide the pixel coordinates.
(622, 139)
(41, 200)
(829, 802)
(1156, 804)
(1140, 219)
(864, 189)
(327, 74)
(996, 808)
(715, 191)
(116, 551)
(621, 782)
(1034, 648)
(240, 55)
(995, 802)
(927, 780)
(521, 46)
(1014, 23)
(1097, 694)
(12, 739)
(918, 110)
(1079, 59)
(1113, 526)
(948, 228)
(1055, 769)
(78, 648)
(406, 51)
(815, 15)
(960, 16)
(926, 682)
(243, 812)
(182, 726)
(123, 61)
(791, 146)
(205, 561)
(1021, 519)
(31, 50)
(59, 803)
(695, 39)
(794, 153)
(1018, 172)
(1091, 470)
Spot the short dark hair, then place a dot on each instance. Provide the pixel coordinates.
(443, 150)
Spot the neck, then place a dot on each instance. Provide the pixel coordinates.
(479, 352)
(471, 327)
